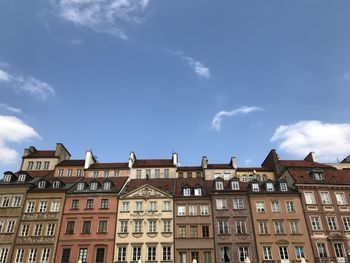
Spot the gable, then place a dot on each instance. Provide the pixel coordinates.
(146, 192)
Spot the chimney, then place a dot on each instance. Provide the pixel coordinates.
(61, 152)
(204, 162)
(89, 159)
(29, 151)
(233, 162)
(175, 158)
(132, 159)
(311, 157)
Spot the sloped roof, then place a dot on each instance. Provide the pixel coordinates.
(109, 166)
(165, 185)
(144, 163)
(71, 163)
(42, 154)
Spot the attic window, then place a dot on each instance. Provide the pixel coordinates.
(251, 177)
(93, 186)
(56, 184)
(198, 191)
(284, 187)
(22, 178)
(235, 185)
(269, 187)
(7, 177)
(42, 184)
(187, 191)
(317, 175)
(219, 185)
(107, 186)
(255, 187)
(80, 186)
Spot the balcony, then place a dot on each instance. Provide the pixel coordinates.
(40, 216)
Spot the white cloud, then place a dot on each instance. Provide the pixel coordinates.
(9, 108)
(219, 117)
(328, 140)
(28, 84)
(103, 16)
(13, 130)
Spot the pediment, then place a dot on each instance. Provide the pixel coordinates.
(146, 192)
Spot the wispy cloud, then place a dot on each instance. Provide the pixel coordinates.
(13, 130)
(9, 108)
(220, 116)
(102, 16)
(198, 67)
(328, 140)
(27, 84)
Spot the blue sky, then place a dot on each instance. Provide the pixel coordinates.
(151, 76)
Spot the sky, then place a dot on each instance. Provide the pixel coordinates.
(216, 78)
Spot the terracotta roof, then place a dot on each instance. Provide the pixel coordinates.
(302, 163)
(189, 168)
(243, 186)
(191, 182)
(109, 166)
(153, 163)
(165, 185)
(71, 163)
(37, 173)
(258, 169)
(42, 154)
(219, 166)
(117, 182)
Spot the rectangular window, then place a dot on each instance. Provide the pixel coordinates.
(315, 223)
(136, 253)
(294, 227)
(322, 251)
(102, 226)
(50, 230)
(25, 230)
(207, 256)
(65, 255)
(104, 204)
(269, 187)
(55, 206)
(279, 227)
(275, 206)
(90, 204)
(205, 231)
(45, 255)
(181, 210)
(198, 175)
(346, 221)
(219, 185)
(238, 203)
(189, 174)
(225, 254)
(125, 207)
(3, 254)
(332, 224)
(290, 206)
(151, 253)
(138, 206)
(37, 229)
(204, 210)
(267, 253)
(299, 252)
(42, 206)
(166, 253)
(106, 174)
(148, 173)
(167, 225)
(60, 173)
(166, 173)
(79, 173)
(235, 185)
(19, 255)
(193, 232)
(138, 226)
(95, 174)
(16, 202)
(186, 191)
(121, 253)
(182, 231)
(183, 257)
(223, 226)
(46, 165)
(32, 255)
(166, 206)
(240, 227)
(263, 228)
(123, 226)
(255, 187)
(325, 198)
(283, 253)
(38, 165)
(157, 173)
(138, 174)
(152, 226)
(260, 206)
(339, 250)
(152, 206)
(221, 204)
(86, 227)
(192, 210)
(194, 256)
(341, 198)
(83, 254)
(243, 253)
(69, 172)
(100, 255)
(30, 207)
(70, 227)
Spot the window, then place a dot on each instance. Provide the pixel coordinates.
(30, 207)
(50, 230)
(325, 198)
(187, 191)
(341, 199)
(95, 174)
(123, 226)
(181, 210)
(138, 226)
(198, 175)
(299, 252)
(267, 253)
(79, 172)
(100, 255)
(38, 165)
(205, 231)
(22, 177)
(221, 204)
(238, 203)
(219, 185)
(193, 231)
(332, 223)
(136, 253)
(90, 204)
(148, 173)
(181, 175)
(102, 226)
(283, 253)
(75, 204)
(192, 210)
(243, 253)
(223, 226)
(104, 204)
(55, 206)
(37, 229)
(41, 184)
(309, 198)
(70, 227)
(138, 174)
(25, 230)
(3, 254)
(56, 184)
(5, 201)
(182, 231)
(42, 206)
(275, 206)
(157, 173)
(263, 228)
(279, 227)
(166, 206)
(166, 253)
(125, 206)
(225, 254)
(86, 227)
(322, 251)
(194, 256)
(284, 187)
(138, 206)
(315, 223)
(346, 221)
(240, 227)
(152, 226)
(83, 254)
(294, 227)
(69, 172)
(152, 206)
(269, 187)
(244, 178)
(166, 173)
(7, 177)
(60, 173)
(260, 206)
(2, 225)
(30, 165)
(255, 187)
(235, 185)
(290, 206)
(106, 174)
(65, 255)
(189, 174)
(16, 202)
(167, 226)
(339, 250)
(46, 165)
(198, 191)
(107, 186)
(32, 255)
(93, 186)
(151, 255)
(204, 210)
(121, 253)
(19, 255)
(80, 186)
(45, 255)
(318, 175)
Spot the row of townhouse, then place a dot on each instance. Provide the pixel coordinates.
(55, 209)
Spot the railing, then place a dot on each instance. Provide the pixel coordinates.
(332, 260)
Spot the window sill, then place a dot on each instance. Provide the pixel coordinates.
(101, 232)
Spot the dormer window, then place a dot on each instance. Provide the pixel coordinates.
(93, 186)
(244, 178)
(107, 186)
(7, 177)
(255, 187)
(219, 185)
(251, 177)
(187, 191)
(198, 191)
(284, 187)
(235, 185)
(269, 187)
(318, 175)
(80, 186)
(95, 174)
(56, 184)
(42, 184)
(106, 174)
(22, 178)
